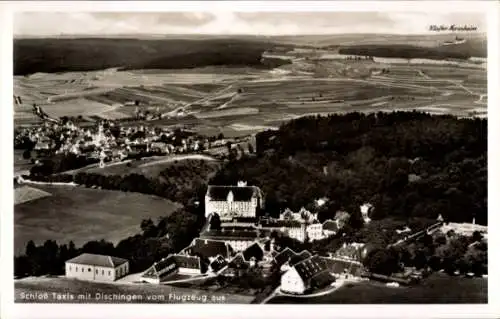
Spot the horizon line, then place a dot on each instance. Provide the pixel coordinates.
(430, 34)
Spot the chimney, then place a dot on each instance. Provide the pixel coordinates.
(474, 221)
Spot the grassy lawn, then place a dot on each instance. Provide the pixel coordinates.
(94, 292)
(82, 214)
(437, 289)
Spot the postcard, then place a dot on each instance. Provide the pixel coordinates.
(235, 154)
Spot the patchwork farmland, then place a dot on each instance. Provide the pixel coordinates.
(247, 95)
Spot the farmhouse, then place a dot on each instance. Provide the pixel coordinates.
(288, 258)
(173, 264)
(305, 275)
(96, 267)
(233, 201)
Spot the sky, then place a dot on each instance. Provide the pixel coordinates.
(227, 23)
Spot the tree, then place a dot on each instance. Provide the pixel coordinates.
(476, 236)
(382, 261)
(27, 154)
(148, 228)
(215, 222)
(30, 249)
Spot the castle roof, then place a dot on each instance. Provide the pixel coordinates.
(240, 193)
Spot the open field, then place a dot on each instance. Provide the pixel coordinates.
(82, 214)
(438, 288)
(228, 98)
(24, 194)
(141, 293)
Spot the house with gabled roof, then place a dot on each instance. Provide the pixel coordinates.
(305, 275)
(254, 251)
(217, 264)
(96, 267)
(236, 266)
(208, 249)
(173, 264)
(284, 256)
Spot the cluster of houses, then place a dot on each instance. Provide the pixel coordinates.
(243, 241)
(109, 142)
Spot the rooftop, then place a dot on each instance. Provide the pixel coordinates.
(240, 193)
(206, 248)
(232, 234)
(255, 251)
(331, 225)
(310, 267)
(97, 260)
(172, 262)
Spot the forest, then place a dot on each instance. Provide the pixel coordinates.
(406, 164)
(457, 51)
(87, 54)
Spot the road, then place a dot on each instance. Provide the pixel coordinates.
(420, 233)
(273, 294)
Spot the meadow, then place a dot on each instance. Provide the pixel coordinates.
(82, 214)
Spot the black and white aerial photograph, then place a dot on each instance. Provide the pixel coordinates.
(250, 157)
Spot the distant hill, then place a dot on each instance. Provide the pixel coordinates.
(85, 54)
(476, 48)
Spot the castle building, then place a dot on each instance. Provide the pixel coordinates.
(231, 202)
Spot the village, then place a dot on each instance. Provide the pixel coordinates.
(108, 142)
(239, 238)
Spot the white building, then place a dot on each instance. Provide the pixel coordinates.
(97, 267)
(315, 231)
(301, 226)
(233, 201)
(366, 210)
